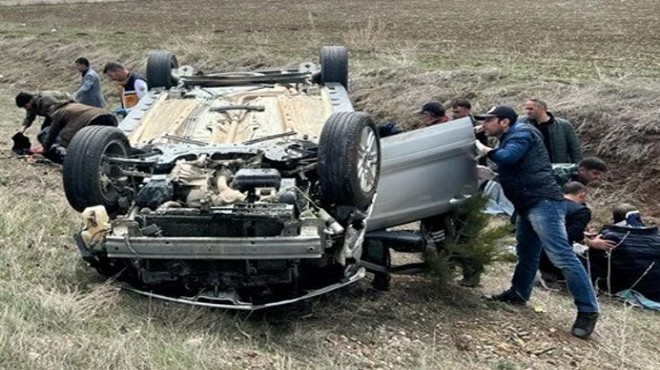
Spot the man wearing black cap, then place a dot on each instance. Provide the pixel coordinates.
(433, 113)
(527, 179)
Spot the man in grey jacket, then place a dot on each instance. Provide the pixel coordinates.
(558, 134)
(89, 92)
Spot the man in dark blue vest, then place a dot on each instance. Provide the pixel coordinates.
(526, 177)
(132, 86)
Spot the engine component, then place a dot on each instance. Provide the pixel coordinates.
(226, 195)
(248, 179)
(155, 193)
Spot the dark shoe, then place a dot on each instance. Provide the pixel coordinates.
(584, 324)
(507, 297)
(381, 281)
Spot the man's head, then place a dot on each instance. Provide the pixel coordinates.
(591, 170)
(621, 211)
(433, 113)
(575, 191)
(24, 100)
(81, 64)
(497, 120)
(536, 109)
(115, 71)
(461, 108)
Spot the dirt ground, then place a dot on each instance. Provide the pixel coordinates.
(594, 61)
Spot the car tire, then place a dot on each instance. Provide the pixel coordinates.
(83, 164)
(334, 65)
(159, 69)
(349, 160)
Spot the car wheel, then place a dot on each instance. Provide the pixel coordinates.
(349, 160)
(334, 65)
(89, 179)
(159, 69)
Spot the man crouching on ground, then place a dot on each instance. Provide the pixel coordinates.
(527, 180)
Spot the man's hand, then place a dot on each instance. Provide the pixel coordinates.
(478, 129)
(482, 149)
(599, 243)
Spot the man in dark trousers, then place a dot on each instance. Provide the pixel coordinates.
(526, 177)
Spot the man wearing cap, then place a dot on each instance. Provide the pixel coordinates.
(527, 179)
(433, 113)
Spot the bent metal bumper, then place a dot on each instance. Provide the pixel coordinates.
(214, 248)
(232, 302)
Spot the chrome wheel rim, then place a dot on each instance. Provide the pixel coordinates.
(367, 159)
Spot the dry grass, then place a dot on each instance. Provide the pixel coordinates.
(56, 313)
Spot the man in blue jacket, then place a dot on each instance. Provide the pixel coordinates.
(527, 179)
(89, 92)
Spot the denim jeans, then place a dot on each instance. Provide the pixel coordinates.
(543, 226)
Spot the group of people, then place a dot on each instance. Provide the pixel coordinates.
(541, 170)
(65, 114)
(540, 167)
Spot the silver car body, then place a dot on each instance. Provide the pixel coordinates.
(423, 172)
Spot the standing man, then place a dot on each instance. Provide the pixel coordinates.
(526, 177)
(433, 113)
(43, 104)
(132, 86)
(558, 134)
(462, 108)
(89, 92)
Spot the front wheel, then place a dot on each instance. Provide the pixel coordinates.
(89, 178)
(349, 160)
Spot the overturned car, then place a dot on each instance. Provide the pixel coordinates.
(252, 189)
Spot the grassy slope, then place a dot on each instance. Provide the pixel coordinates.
(597, 68)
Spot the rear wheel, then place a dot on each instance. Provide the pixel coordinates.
(160, 66)
(334, 65)
(89, 178)
(349, 160)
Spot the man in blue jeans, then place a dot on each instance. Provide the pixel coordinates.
(527, 180)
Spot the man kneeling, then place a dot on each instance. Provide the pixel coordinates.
(66, 122)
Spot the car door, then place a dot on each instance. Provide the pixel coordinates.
(424, 172)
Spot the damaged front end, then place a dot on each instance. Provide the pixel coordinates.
(214, 233)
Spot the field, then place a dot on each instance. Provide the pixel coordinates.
(596, 62)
